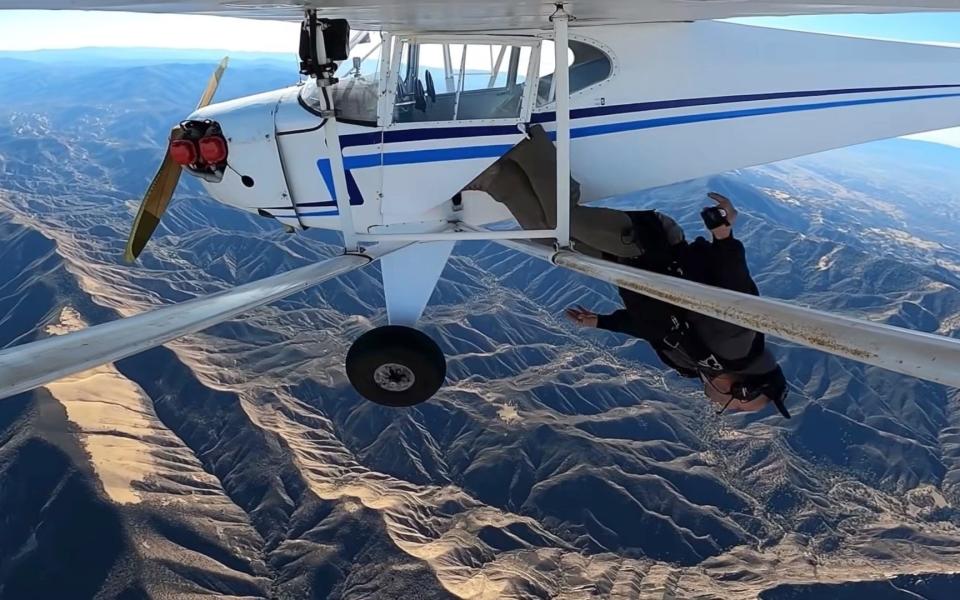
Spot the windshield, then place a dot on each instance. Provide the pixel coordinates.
(453, 81)
(355, 95)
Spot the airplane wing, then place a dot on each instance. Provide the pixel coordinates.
(27, 366)
(914, 353)
(463, 15)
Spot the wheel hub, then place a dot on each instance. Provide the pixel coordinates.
(394, 378)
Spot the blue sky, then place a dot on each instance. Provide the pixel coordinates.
(916, 27)
(32, 30)
(941, 28)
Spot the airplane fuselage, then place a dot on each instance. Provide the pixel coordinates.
(651, 104)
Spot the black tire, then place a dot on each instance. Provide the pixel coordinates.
(396, 366)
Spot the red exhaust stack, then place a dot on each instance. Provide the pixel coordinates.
(213, 149)
(183, 152)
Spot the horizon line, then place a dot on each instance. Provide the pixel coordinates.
(153, 48)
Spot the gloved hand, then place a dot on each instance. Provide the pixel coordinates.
(723, 231)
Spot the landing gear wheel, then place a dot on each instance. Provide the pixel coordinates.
(396, 366)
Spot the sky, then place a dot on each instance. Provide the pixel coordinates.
(34, 30)
(932, 28)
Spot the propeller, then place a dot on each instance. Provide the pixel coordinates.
(164, 183)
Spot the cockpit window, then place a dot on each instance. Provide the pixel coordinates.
(356, 93)
(459, 82)
(451, 81)
(588, 65)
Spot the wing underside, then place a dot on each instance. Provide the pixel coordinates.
(463, 15)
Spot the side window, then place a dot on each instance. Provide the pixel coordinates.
(456, 82)
(356, 94)
(357, 91)
(588, 65)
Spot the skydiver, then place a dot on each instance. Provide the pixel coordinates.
(736, 369)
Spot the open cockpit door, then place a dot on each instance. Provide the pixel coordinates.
(452, 107)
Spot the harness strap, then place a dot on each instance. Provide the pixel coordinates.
(659, 256)
(682, 337)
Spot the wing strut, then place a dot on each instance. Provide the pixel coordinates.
(930, 357)
(561, 76)
(31, 365)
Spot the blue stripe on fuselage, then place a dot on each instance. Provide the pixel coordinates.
(460, 153)
(322, 213)
(396, 158)
(607, 128)
(419, 135)
(442, 154)
(470, 131)
(467, 152)
(618, 109)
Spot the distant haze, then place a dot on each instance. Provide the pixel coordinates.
(37, 29)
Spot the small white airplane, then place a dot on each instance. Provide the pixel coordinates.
(394, 122)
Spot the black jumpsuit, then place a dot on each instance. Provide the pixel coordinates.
(720, 263)
(524, 180)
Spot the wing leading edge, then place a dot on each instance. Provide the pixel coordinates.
(25, 367)
(464, 15)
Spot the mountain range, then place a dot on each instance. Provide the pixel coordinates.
(555, 463)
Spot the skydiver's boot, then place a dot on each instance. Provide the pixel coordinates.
(524, 179)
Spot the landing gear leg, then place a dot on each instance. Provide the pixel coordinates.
(396, 366)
